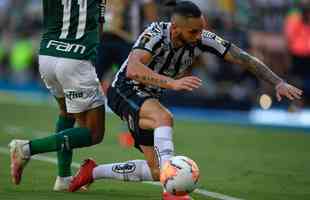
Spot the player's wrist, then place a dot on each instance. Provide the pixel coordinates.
(279, 84)
(169, 85)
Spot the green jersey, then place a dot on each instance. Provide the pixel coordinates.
(71, 29)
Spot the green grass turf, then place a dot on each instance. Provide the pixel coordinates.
(245, 162)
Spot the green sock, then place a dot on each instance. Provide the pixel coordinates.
(67, 139)
(64, 157)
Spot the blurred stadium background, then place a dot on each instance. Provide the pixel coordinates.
(243, 150)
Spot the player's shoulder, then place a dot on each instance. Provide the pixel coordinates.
(211, 37)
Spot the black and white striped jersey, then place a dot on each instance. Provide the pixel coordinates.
(165, 59)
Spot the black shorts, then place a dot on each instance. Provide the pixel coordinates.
(126, 103)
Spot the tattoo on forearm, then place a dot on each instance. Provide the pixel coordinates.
(254, 65)
(150, 80)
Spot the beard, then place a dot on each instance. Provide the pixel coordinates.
(187, 42)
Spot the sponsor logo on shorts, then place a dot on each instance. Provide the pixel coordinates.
(124, 168)
(73, 95)
(66, 47)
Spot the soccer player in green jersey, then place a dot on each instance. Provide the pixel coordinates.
(66, 57)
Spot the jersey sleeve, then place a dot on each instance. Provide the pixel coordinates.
(150, 40)
(212, 43)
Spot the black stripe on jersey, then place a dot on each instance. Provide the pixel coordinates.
(158, 45)
(227, 48)
(205, 48)
(165, 26)
(152, 64)
(178, 63)
(191, 51)
(167, 63)
(161, 53)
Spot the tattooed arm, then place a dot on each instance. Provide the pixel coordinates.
(257, 67)
(137, 70)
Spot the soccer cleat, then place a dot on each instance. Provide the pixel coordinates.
(19, 159)
(84, 176)
(62, 183)
(168, 196)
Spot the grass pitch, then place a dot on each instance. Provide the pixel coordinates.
(244, 162)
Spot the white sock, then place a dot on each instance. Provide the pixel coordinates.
(133, 170)
(66, 179)
(163, 144)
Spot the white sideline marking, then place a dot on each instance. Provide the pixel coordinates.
(77, 165)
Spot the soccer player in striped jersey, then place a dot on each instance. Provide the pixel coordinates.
(162, 58)
(66, 57)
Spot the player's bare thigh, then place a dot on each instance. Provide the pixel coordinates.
(153, 115)
(151, 158)
(94, 119)
(62, 107)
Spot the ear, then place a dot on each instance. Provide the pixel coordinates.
(174, 28)
(173, 25)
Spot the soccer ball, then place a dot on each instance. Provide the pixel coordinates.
(179, 175)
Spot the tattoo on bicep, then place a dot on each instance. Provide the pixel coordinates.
(150, 80)
(254, 65)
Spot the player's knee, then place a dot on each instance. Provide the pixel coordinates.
(97, 139)
(164, 119)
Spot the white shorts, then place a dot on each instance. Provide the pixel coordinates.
(76, 80)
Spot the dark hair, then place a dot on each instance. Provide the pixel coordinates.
(184, 8)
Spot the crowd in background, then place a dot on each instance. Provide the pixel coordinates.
(273, 30)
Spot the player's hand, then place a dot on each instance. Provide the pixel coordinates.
(188, 83)
(287, 90)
